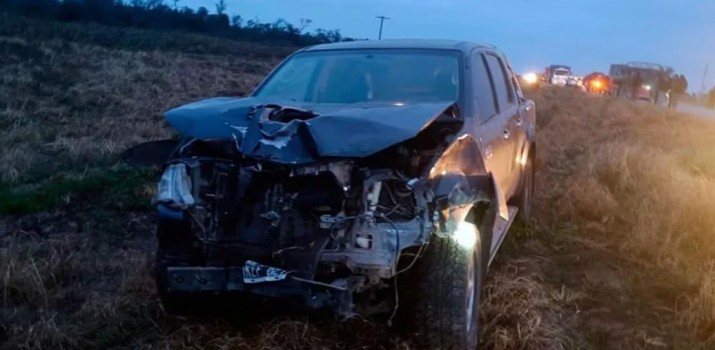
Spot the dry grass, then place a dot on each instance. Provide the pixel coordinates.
(83, 287)
(522, 311)
(620, 255)
(69, 104)
(634, 186)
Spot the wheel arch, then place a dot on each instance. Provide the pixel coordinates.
(460, 177)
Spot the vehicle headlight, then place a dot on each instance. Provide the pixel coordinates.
(465, 235)
(647, 87)
(530, 78)
(174, 188)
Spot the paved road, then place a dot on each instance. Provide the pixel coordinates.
(696, 110)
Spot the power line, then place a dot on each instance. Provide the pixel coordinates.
(382, 20)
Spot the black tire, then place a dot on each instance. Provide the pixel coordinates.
(443, 315)
(175, 249)
(523, 199)
(172, 303)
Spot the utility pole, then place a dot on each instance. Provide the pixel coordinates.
(382, 20)
(703, 88)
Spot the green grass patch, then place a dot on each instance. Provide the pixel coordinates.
(118, 187)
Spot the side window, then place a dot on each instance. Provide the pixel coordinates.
(501, 82)
(483, 94)
(517, 86)
(514, 80)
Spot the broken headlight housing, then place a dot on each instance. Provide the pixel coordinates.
(174, 189)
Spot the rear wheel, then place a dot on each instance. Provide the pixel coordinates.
(448, 294)
(526, 192)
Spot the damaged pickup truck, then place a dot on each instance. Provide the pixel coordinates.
(350, 166)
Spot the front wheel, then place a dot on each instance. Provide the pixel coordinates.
(448, 294)
(173, 303)
(175, 249)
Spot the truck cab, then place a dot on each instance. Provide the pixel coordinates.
(650, 76)
(557, 74)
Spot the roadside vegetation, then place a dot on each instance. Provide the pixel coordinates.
(620, 255)
(169, 16)
(632, 195)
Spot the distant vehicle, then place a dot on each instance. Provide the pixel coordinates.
(597, 83)
(348, 165)
(572, 81)
(530, 81)
(575, 82)
(557, 74)
(650, 73)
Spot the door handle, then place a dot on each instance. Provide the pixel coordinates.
(506, 134)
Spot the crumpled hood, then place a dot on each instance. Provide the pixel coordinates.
(324, 130)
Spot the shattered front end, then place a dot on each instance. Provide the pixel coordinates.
(320, 232)
(274, 202)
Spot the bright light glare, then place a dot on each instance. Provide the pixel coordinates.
(597, 84)
(530, 78)
(647, 87)
(465, 235)
(399, 104)
(521, 159)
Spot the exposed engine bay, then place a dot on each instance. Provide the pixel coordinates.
(334, 224)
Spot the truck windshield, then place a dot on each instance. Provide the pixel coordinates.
(561, 72)
(353, 76)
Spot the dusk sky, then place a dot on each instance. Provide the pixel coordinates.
(589, 35)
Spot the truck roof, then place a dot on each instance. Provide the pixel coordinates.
(645, 65)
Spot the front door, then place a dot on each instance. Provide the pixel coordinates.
(508, 108)
(492, 128)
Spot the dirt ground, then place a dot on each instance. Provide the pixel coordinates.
(619, 256)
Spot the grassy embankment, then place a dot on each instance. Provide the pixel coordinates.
(620, 255)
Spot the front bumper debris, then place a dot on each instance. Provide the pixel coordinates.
(313, 294)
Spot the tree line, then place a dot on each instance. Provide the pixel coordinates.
(169, 15)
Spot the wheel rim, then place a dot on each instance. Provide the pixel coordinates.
(471, 292)
(528, 188)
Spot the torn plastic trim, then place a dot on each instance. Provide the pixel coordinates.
(204, 279)
(461, 171)
(174, 188)
(456, 195)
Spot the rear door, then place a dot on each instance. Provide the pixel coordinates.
(508, 108)
(526, 115)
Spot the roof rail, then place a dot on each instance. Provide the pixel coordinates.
(487, 46)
